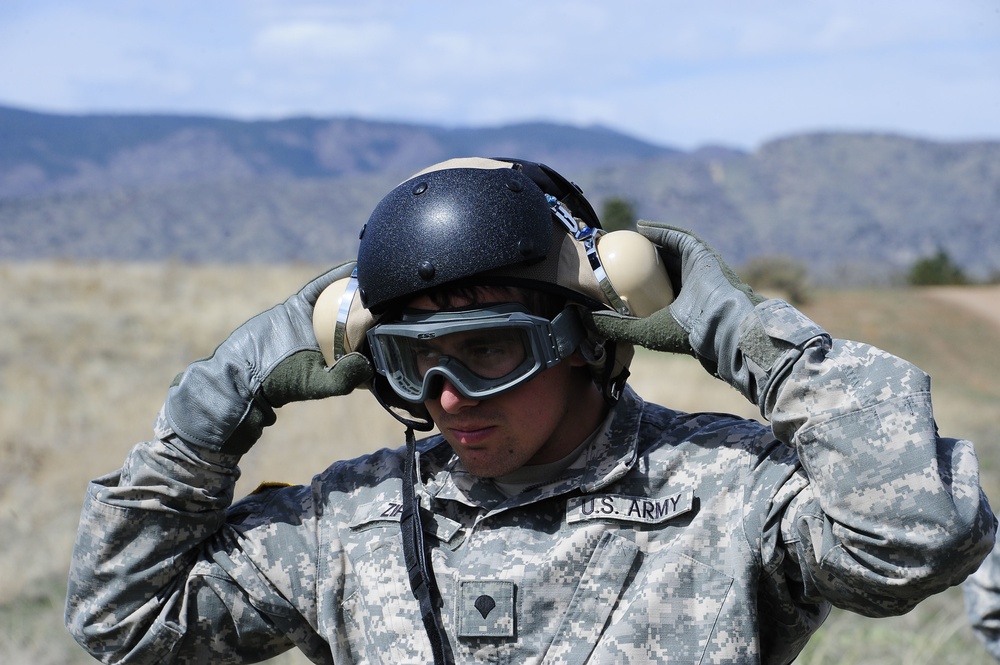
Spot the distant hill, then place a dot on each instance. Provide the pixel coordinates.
(855, 207)
(41, 153)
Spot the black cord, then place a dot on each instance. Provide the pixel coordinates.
(415, 554)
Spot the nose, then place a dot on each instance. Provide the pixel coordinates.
(453, 401)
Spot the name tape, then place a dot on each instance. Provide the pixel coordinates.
(644, 510)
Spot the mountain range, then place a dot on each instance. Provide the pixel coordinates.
(855, 208)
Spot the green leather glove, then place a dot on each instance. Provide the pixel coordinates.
(737, 335)
(223, 402)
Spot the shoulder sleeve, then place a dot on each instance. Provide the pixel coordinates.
(891, 512)
(163, 572)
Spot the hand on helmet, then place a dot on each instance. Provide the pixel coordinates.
(715, 317)
(223, 402)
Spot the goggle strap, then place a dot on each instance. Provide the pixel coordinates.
(567, 332)
(416, 421)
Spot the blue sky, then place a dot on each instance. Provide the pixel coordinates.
(676, 73)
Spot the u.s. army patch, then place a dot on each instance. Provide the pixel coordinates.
(645, 510)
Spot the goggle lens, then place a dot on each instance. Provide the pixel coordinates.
(481, 352)
(489, 354)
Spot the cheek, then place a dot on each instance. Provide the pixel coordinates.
(544, 401)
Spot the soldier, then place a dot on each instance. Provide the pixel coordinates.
(982, 603)
(555, 517)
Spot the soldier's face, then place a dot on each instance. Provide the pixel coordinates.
(539, 421)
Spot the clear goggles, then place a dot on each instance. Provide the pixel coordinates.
(482, 352)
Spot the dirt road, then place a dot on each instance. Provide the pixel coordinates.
(983, 300)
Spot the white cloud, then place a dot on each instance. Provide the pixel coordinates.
(327, 41)
(674, 71)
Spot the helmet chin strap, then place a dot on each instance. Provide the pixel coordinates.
(417, 565)
(398, 409)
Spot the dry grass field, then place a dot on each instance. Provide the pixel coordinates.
(87, 350)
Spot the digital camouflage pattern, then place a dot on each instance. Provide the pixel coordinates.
(674, 538)
(982, 603)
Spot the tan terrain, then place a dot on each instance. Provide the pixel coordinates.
(984, 301)
(87, 351)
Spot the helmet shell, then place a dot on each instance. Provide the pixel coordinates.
(450, 224)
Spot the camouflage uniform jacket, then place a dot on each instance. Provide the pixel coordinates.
(683, 538)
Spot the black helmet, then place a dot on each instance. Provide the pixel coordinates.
(475, 219)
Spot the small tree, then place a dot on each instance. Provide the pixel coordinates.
(781, 275)
(618, 214)
(937, 270)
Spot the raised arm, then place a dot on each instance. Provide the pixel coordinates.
(887, 512)
(144, 580)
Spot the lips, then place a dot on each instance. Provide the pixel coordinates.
(469, 435)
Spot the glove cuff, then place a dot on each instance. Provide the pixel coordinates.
(772, 338)
(210, 405)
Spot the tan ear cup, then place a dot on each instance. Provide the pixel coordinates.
(636, 272)
(340, 322)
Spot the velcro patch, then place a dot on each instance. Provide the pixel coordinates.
(641, 509)
(392, 511)
(485, 608)
(386, 511)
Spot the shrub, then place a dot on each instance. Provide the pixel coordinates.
(937, 270)
(783, 276)
(618, 214)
